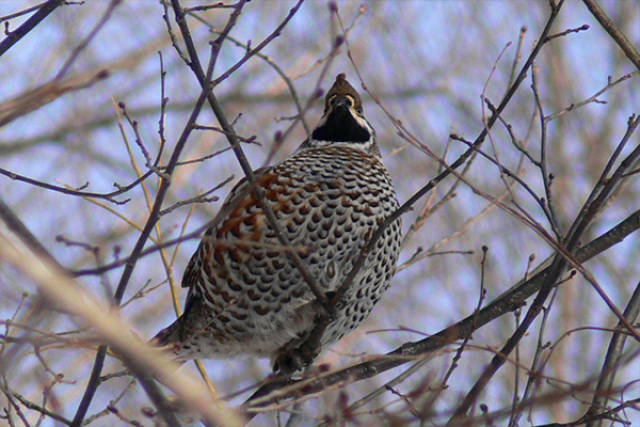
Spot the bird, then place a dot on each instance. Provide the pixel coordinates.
(246, 296)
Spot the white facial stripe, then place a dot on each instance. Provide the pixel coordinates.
(362, 122)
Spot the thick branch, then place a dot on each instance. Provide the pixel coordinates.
(14, 36)
(140, 357)
(615, 33)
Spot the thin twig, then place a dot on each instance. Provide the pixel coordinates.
(94, 31)
(542, 165)
(65, 190)
(481, 296)
(200, 198)
(593, 98)
(539, 200)
(22, 12)
(260, 46)
(516, 377)
(192, 235)
(583, 27)
(33, 406)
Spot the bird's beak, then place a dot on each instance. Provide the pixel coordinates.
(342, 103)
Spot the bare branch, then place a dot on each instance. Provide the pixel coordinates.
(14, 36)
(614, 32)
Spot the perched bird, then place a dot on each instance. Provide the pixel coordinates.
(246, 295)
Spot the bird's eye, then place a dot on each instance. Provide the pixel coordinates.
(350, 100)
(333, 99)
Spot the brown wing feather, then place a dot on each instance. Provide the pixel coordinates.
(237, 193)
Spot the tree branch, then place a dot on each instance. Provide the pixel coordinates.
(615, 33)
(14, 36)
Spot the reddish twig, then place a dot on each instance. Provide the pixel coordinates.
(265, 42)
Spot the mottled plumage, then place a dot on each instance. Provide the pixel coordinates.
(246, 296)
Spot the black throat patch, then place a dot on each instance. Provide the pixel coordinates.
(341, 127)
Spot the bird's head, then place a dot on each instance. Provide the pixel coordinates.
(343, 119)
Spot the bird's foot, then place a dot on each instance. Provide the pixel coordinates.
(290, 361)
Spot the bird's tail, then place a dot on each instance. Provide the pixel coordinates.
(169, 339)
